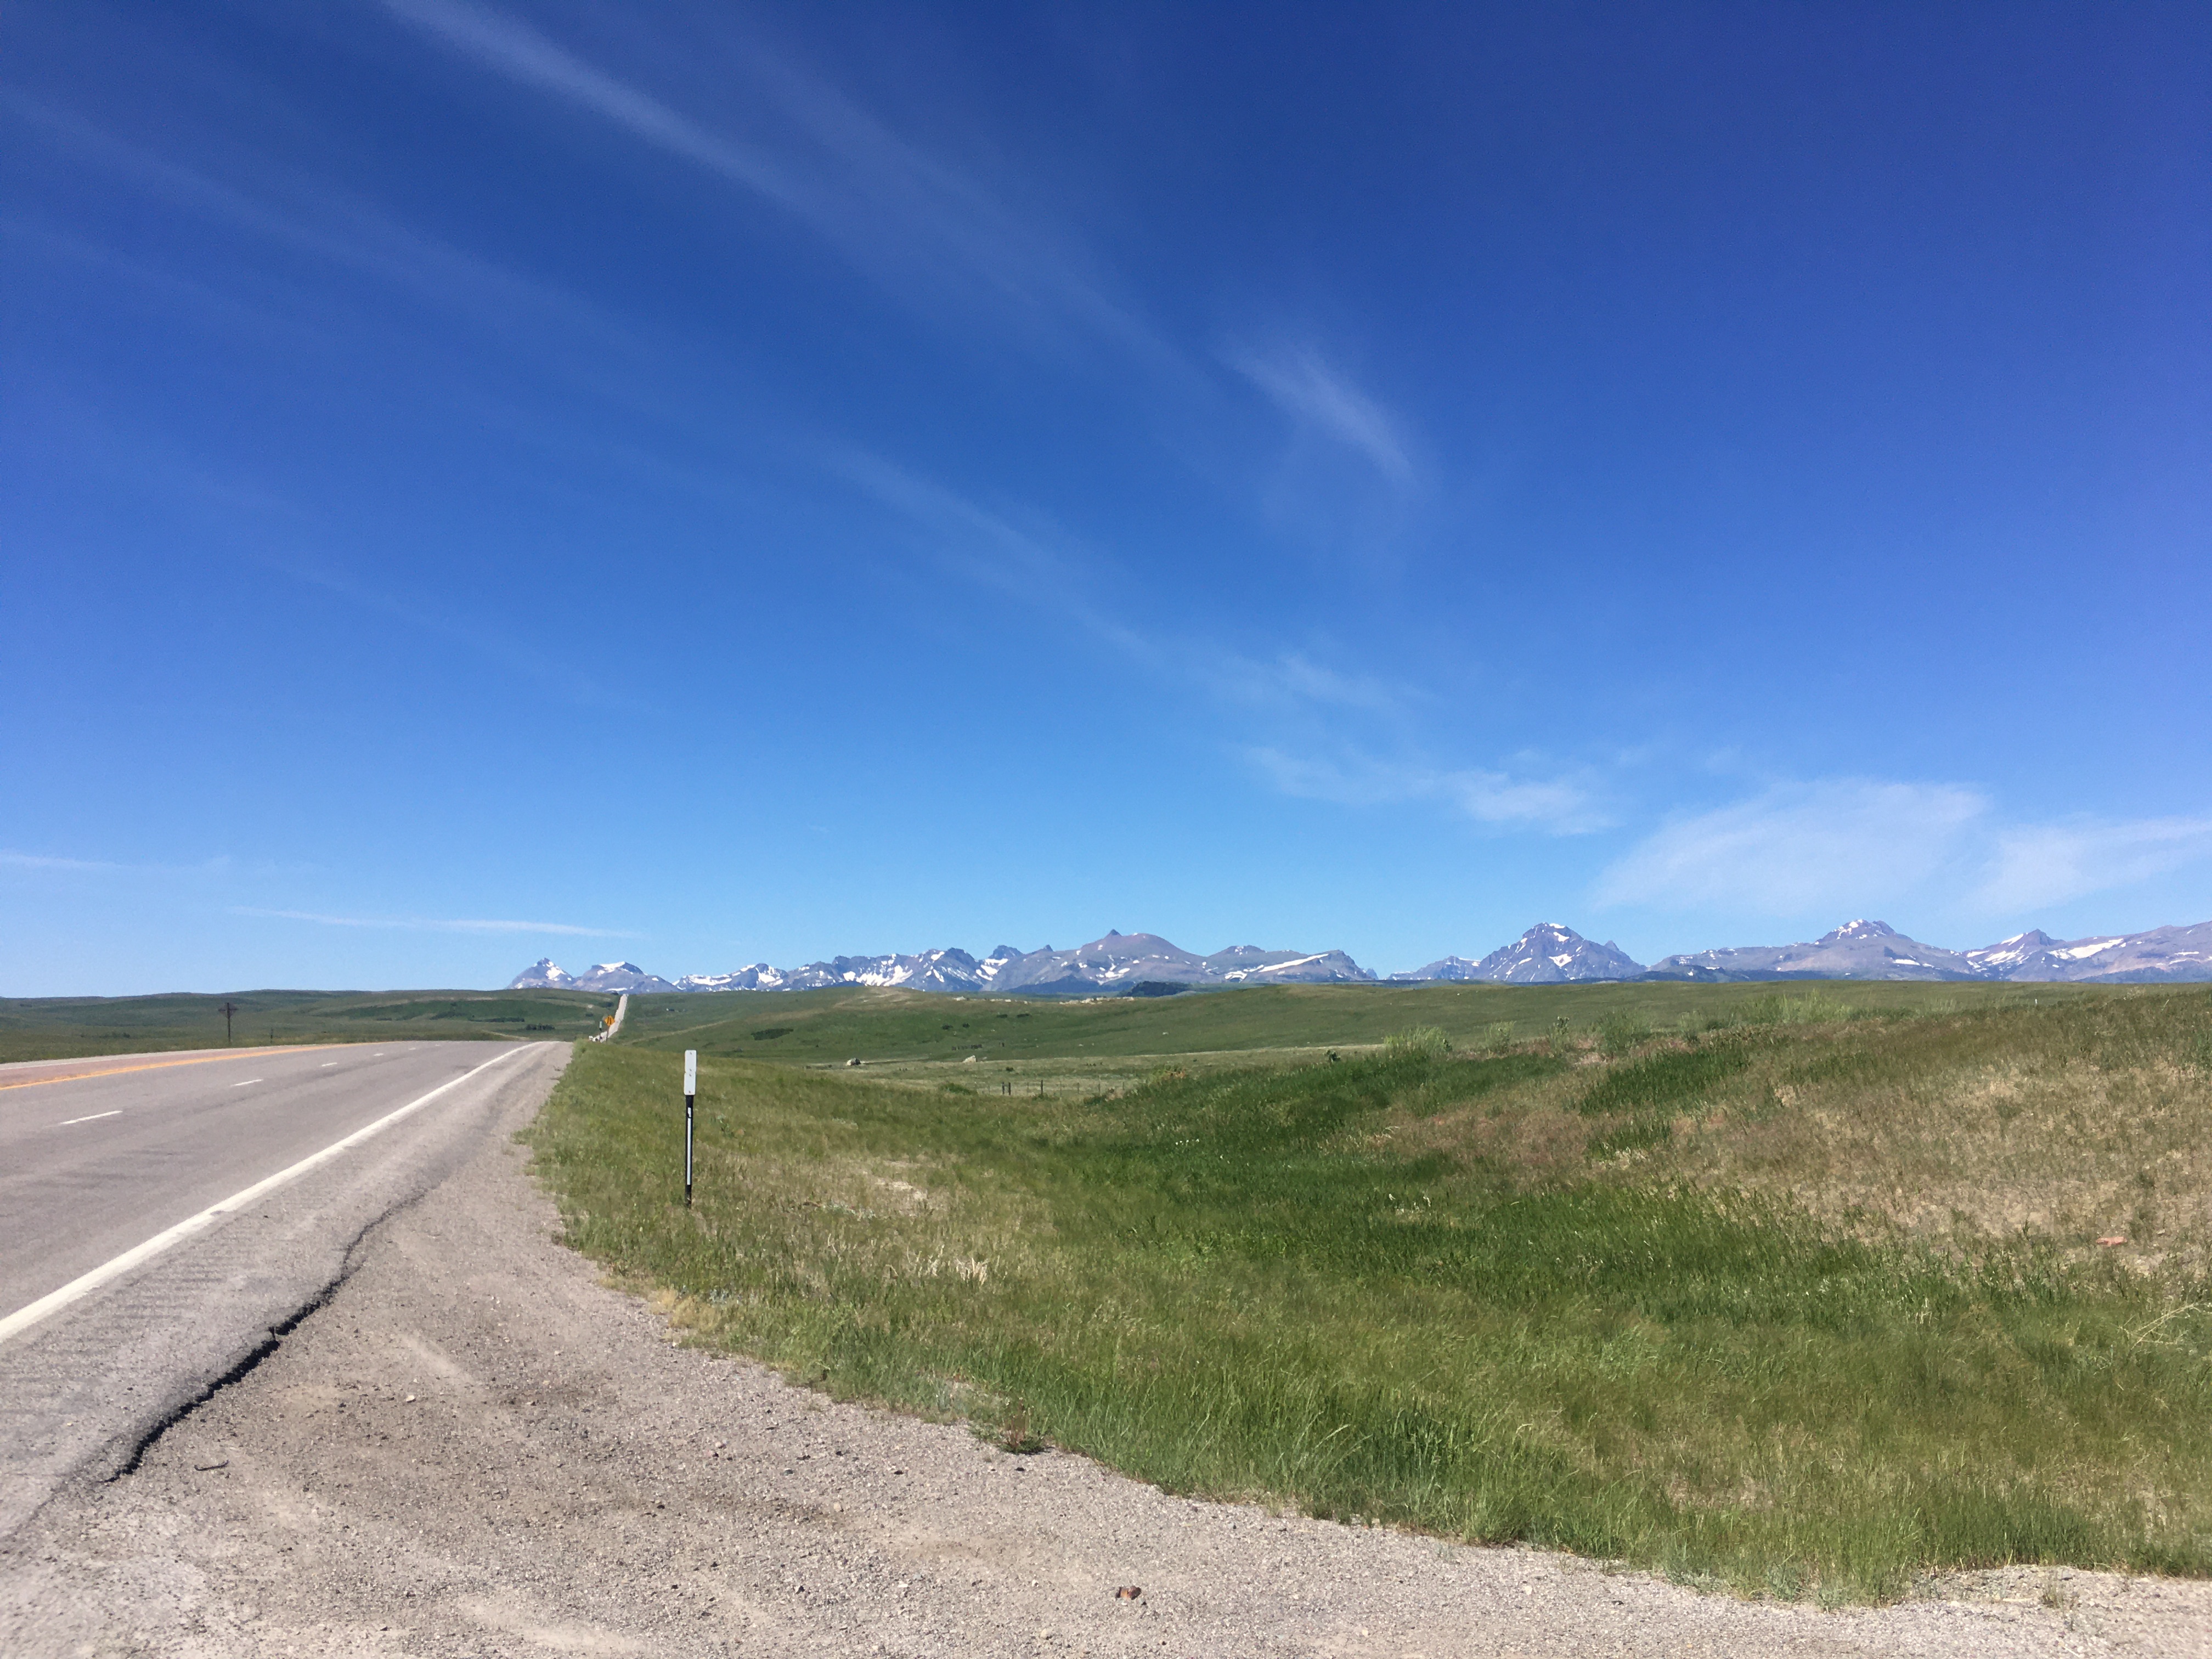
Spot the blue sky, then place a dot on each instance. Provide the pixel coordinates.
(713, 484)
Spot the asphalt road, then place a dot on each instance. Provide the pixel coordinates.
(101, 1158)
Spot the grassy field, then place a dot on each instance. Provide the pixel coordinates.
(49, 1028)
(1794, 1289)
(920, 1028)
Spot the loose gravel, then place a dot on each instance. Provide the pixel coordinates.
(476, 1448)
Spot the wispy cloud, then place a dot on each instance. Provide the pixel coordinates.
(41, 861)
(1306, 388)
(601, 359)
(1560, 805)
(476, 636)
(1296, 680)
(59, 865)
(1854, 843)
(1036, 565)
(2048, 863)
(1800, 847)
(308, 216)
(520, 51)
(433, 925)
(909, 218)
(1043, 567)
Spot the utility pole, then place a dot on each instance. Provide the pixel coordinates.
(228, 1010)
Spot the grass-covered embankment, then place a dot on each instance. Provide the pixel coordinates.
(827, 1027)
(1682, 1297)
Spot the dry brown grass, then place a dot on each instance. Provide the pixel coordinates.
(1953, 1128)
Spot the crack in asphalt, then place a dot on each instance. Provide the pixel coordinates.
(349, 1264)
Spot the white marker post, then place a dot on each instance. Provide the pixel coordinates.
(690, 1095)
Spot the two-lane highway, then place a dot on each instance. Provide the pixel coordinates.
(162, 1214)
(97, 1156)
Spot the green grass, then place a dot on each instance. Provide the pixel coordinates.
(881, 1027)
(47, 1028)
(1798, 1291)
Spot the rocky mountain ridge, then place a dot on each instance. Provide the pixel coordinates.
(1548, 954)
(1857, 950)
(1111, 963)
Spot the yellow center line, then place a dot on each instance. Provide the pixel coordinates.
(159, 1065)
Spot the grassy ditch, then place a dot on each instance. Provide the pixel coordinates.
(1806, 1304)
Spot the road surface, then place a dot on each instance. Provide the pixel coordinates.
(162, 1215)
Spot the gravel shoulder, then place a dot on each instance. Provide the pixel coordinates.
(473, 1448)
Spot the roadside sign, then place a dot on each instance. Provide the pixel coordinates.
(690, 1071)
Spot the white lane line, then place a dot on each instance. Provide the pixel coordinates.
(248, 1084)
(94, 1118)
(326, 1065)
(23, 1318)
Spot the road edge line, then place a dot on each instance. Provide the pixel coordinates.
(83, 1285)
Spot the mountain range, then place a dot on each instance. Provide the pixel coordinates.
(1116, 962)
(1548, 954)
(1875, 950)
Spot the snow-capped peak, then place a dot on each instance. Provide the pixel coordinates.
(1547, 953)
